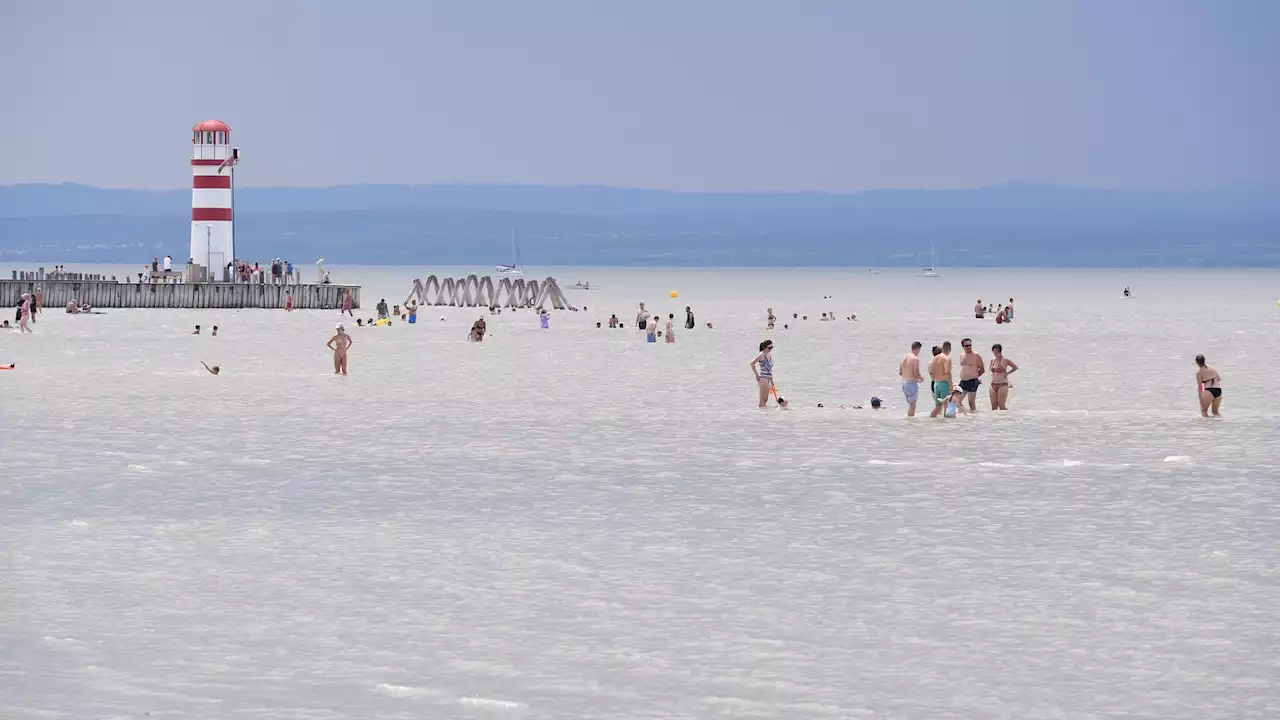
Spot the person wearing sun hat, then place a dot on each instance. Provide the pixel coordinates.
(339, 344)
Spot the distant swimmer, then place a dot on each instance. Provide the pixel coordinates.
(1001, 368)
(979, 310)
(642, 318)
(215, 331)
(339, 344)
(689, 322)
(544, 319)
(1209, 384)
(196, 331)
(940, 377)
(613, 321)
(971, 371)
(347, 303)
(212, 370)
(772, 320)
(909, 371)
(671, 333)
(1126, 291)
(762, 368)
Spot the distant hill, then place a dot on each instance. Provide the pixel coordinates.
(1006, 225)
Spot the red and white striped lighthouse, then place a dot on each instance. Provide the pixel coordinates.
(213, 162)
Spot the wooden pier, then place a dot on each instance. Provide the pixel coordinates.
(61, 289)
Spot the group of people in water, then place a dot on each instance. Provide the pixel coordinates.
(1004, 313)
(948, 398)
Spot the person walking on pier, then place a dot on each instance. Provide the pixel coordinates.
(339, 344)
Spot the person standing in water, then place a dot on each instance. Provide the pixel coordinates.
(979, 310)
(688, 318)
(772, 320)
(940, 377)
(971, 371)
(762, 368)
(339, 344)
(24, 314)
(346, 300)
(671, 323)
(642, 318)
(1209, 387)
(909, 371)
(1001, 368)
(382, 309)
(288, 302)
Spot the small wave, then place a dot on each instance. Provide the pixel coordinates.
(1072, 463)
(888, 462)
(141, 468)
(1178, 458)
(405, 691)
(251, 461)
(489, 703)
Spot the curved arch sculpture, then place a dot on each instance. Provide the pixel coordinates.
(478, 291)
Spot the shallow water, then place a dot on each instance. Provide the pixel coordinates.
(574, 523)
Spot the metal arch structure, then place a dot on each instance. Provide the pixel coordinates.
(478, 291)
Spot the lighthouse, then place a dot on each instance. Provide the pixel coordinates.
(213, 163)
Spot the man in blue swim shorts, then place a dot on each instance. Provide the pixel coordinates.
(909, 371)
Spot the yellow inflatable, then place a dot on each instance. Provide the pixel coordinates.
(382, 321)
(675, 294)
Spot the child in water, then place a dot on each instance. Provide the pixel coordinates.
(953, 404)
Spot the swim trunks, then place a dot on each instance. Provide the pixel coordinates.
(941, 389)
(911, 389)
(970, 385)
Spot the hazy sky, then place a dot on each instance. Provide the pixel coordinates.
(678, 94)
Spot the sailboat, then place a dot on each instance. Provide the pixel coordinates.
(515, 269)
(932, 270)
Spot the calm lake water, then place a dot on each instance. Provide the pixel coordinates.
(573, 523)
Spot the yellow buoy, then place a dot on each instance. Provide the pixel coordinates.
(675, 294)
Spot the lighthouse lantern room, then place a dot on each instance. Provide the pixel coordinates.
(213, 163)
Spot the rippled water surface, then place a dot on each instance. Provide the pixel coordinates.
(572, 523)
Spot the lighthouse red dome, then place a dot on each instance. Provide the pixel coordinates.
(212, 126)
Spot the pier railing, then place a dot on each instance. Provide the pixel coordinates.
(58, 291)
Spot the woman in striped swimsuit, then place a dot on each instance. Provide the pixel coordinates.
(762, 368)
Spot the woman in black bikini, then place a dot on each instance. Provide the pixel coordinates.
(1209, 387)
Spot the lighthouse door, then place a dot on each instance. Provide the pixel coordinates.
(217, 268)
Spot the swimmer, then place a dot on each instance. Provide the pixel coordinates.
(212, 370)
(979, 310)
(196, 331)
(971, 371)
(288, 302)
(1001, 368)
(544, 319)
(24, 314)
(909, 371)
(671, 333)
(215, 331)
(875, 403)
(940, 375)
(359, 322)
(478, 329)
(954, 403)
(1126, 291)
(824, 318)
(1209, 387)
(762, 368)
(710, 326)
(771, 319)
(5, 325)
(613, 321)
(71, 308)
(642, 318)
(395, 310)
(339, 344)
(651, 330)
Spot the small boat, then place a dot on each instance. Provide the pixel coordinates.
(515, 269)
(932, 270)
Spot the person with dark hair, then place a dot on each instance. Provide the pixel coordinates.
(762, 368)
(940, 375)
(1001, 368)
(1209, 387)
(688, 318)
(909, 371)
(971, 371)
